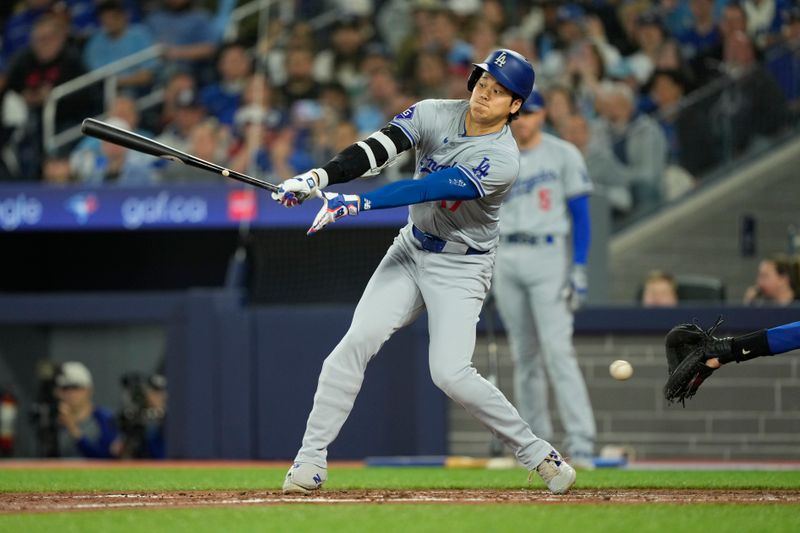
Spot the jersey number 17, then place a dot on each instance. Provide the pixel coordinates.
(453, 205)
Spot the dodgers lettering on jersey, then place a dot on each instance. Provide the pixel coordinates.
(490, 163)
(552, 173)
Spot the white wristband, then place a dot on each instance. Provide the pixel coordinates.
(322, 176)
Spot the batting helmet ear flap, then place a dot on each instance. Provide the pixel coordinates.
(509, 68)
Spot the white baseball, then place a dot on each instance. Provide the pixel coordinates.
(226, 173)
(620, 369)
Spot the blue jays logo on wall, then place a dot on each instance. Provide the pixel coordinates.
(407, 114)
(83, 206)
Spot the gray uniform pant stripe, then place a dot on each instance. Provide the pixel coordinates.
(528, 282)
(452, 288)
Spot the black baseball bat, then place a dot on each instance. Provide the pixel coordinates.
(134, 141)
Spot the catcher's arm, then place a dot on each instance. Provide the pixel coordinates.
(760, 343)
(693, 354)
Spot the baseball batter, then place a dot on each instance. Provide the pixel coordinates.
(536, 285)
(442, 260)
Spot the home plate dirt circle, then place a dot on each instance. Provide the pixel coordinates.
(50, 502)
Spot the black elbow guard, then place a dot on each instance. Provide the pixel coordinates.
(368, 156)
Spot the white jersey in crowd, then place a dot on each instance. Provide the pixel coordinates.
(550, 174)
(436, 129)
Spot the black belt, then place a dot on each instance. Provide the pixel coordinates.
(526, 238)
(434, 244)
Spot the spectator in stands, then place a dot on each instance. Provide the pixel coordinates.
(341, 63)
(584, 73)
(446, 40)
(482, 39)
(685, 128)
(158, 118)
(334, 101)
(223, 98)
(35, 71)
(764, 19)
(583, 51)
(752, 103)
(188, 35)
(708, 64)
(208, 140)
(704, 33)
(117, 40)
(189, 112)
(115, 164)
(670, 58)
(259, 105)
(85, 15)
(56, 170)
(636, 140)
(777, 282)
(85, 430)
(430, 76)
(419, 37)
(300, 83)
(380, 104)
(18, 28)
(123, 107)
(650, 35)
(660, 290)
(492, 11)
(783, 59)
(559, 107)
(272, 49)
(611, 178)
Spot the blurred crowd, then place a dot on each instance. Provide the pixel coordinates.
(655, 93)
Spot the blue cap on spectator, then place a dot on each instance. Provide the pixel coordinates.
(534, 103)
(570, 13)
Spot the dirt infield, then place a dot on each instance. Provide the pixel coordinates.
(50, 502)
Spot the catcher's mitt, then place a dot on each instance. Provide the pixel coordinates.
(688, 348)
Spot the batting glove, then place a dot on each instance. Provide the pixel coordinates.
(296, 190)
(335, 206)
(577, 287)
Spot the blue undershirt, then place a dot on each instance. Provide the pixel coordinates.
(447, 184)
(581, 228)
(784, 338)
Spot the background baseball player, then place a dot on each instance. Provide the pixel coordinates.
(536, 286)
(441, 261)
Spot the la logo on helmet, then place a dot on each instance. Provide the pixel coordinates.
(501, 60)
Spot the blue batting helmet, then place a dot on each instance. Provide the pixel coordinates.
(534, 103)
(510, 69)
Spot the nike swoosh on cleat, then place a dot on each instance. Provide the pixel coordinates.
(745, 352)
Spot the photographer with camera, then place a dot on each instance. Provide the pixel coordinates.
(84, 430)
(141, 419)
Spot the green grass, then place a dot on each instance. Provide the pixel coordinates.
(388, 518)
(422, 518)
(266, 478)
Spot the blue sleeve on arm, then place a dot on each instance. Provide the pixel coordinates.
(581, 228)
(447, 184)
(784, 338)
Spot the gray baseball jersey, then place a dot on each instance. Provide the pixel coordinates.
(451, 287)
(436, 129)
(553, 172)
